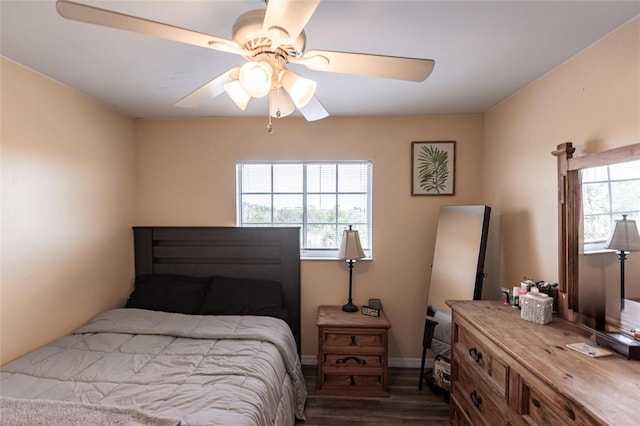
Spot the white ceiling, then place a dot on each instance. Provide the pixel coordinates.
(485, 51)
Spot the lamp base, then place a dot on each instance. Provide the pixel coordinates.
(350, 307)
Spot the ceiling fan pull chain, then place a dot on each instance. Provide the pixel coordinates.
(269, 126)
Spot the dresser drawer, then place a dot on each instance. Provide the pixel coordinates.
(342, 338)
(548, 408)
(478, 397)
(478, 353)
(458, 416)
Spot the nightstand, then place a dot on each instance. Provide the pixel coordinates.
(353, 352)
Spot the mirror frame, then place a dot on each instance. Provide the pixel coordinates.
(568, 214)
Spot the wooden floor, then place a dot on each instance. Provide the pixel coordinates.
(406, 405)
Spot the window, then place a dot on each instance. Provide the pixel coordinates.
(322, 198)
(608, 192)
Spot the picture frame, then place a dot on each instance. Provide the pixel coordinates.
(433, 168)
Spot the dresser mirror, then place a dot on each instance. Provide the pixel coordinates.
(590, 275)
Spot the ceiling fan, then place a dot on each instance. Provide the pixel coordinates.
(268, 39)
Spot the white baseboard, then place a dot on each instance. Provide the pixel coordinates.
(393, 362)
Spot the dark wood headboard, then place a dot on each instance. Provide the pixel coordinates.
(268, 253)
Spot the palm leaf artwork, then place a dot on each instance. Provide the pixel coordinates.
(433, 168)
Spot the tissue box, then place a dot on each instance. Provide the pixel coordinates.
(537, 308)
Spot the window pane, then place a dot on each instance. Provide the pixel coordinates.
(322, 236)
(321, 208)
(628, 170)
(595, 174)
(287, 178)
(256, 208)
(625, 196)
(287, 209)
(597, 228)
(352, 178)
(352, 208)
(595, 198)
(321, 177)
(256, 178)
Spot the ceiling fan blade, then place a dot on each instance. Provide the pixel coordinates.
(399, 68)
(209, 90)
(107, 18)
(284, 20)
(314, 110)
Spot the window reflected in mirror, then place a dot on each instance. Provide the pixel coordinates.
(607, 193)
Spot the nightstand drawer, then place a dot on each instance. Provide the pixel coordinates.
(353, 380)
(353, 340)
(342, 360)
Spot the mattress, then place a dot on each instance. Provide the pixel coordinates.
(161, 368)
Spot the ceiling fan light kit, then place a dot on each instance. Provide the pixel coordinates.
(280, 104)
(255, 78)
(300, 89)
(268, 39)
(237, 94)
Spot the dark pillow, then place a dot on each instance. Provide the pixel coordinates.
(168, 293)
(242, 296)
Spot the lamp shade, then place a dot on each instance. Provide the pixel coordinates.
(280, 104)
(237, 94)
(255, 78)
(300, 89)
(350, 247)
(625, 236)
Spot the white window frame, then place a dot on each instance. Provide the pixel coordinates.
(307, 252)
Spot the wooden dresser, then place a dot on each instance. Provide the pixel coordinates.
(505, 370)
(352, 353)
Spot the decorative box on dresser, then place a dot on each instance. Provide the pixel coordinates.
(508, 371)
(352, 353)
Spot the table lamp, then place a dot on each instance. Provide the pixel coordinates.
(350, 250)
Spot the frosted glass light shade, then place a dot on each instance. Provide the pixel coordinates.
(255, 78)
(280, 104)
(625, 236)
(237, 94)
(350, 247)
(300, 89)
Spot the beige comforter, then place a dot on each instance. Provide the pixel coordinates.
(195, 370)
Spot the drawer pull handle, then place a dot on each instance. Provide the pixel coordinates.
(353, 341)
(475, 355)
(476, 399)
(354, 358)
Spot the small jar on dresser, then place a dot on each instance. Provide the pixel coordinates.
(352, 353)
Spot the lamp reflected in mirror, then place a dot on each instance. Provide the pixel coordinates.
(624, 239)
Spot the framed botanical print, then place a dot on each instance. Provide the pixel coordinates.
(433, 168)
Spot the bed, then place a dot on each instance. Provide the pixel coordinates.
(209, 336)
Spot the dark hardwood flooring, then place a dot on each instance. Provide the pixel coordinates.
(406, 406)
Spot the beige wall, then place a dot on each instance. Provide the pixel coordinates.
(67, 207)
(592, 100)
(70, 177)
(186, 176)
